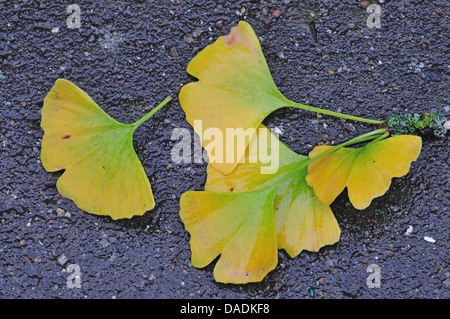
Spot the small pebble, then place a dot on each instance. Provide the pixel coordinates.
(276, 12)
(409, 230)
(197, 32)
(60, 212)
(92, 37)
(62, 259)
(429, 239)
(277, 131)
(188, 38)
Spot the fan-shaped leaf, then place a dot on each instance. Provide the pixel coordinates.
(366, 171)
(239, 227)
(235, 89)
(103, 174)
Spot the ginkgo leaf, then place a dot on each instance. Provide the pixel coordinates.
(103, 174)
(239, 227)
(366, 171)
(302, 221)
(235, 90)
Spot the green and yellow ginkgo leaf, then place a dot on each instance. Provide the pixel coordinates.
(103, 174)
(235, 90)
(302, 221)
(366, 171)
(239, 227)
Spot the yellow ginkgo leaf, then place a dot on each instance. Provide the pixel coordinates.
(235, 91)
(103, 174)
(239, 227)
(302, 221)
(366, 171)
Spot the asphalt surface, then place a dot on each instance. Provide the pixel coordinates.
(128, 56)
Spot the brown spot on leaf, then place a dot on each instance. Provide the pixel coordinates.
(66, 137)
(231, 40)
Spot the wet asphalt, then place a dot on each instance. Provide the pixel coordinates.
(129, 55)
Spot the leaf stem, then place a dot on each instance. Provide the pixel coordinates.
(376, 134)
(345, 116)
(153, 111)
(373, 135)
(379, 138)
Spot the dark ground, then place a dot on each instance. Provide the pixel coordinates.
(129, 55)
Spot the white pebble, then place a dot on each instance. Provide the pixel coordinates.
(62, 259)
(429, 239)
(277, 131)
(409, 230)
